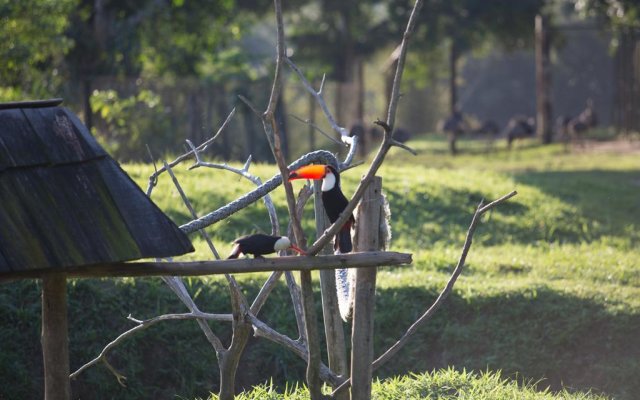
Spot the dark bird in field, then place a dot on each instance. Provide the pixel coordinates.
(259, 244)
(333, 199)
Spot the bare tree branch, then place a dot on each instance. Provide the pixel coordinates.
(244, 172)
(317, 128)
(395, 89)
(273, 134)
(154, 177)
(343, 132)
(320, 156)
(443, 294)
(144, 324)
(351, 141)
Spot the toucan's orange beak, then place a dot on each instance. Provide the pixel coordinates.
(298, 249)
(309, 172)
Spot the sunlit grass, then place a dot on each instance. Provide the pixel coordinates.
(551, 283)
(446, 384)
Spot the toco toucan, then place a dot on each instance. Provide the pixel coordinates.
(259, 244)
(333, 199)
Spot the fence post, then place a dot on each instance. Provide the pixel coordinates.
(334, 331)
(367, 239)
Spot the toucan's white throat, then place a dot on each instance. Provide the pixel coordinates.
(282, 244)
(329, 182)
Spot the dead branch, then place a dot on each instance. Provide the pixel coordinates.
(351, 141)
(244, 172)
(144, 324)
(443, 294)
(317, 128)
(273, 134)
(153, 179)
(319, 156)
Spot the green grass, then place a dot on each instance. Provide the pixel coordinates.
(550, 295)
(448, 384)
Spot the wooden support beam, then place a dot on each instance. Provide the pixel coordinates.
(55, 340)
(367, 238)
(217, 267)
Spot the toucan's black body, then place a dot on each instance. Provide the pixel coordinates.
(333, 199)
(257, 245)
(334, 203)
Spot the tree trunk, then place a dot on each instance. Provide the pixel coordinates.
(281, 120)
(313, 343)
(55, 340)
(453, 93)
(228, 361)
(222, 112)
(453, 77)
(86, 101)
(543, 81)
(363, 142)
(312, 119)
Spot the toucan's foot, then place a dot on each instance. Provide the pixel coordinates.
(257, 256)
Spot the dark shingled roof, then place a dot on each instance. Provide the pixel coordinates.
(65, 202)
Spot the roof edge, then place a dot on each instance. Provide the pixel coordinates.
(31, 104)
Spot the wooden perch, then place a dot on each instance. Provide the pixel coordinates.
(218, 267)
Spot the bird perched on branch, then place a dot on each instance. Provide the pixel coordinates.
(259, 244)
(333, 199)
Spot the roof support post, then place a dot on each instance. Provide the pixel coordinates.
(55, 340)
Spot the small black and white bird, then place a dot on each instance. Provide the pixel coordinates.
(333, 199)
(259, 244)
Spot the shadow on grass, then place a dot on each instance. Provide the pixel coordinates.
(536, 334)
(592, 204)
(608, 199)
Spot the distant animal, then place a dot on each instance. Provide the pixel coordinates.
(401, 135)
(579, 125)
(453, 126)
(487, 128)
(260, 244)
(519, 127)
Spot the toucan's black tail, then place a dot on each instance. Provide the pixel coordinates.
(343, 240)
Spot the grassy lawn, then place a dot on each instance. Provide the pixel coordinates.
(550, 297)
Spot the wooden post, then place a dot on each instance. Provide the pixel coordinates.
(55, 341)
(367, 237)
(334, 332)
(543, 81)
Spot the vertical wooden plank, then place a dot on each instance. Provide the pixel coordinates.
(367, 239)
(543, 81)
(55, 341)
(334, 332)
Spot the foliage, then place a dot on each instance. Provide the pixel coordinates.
(620, 14)
(135, 120)
(32, 46)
